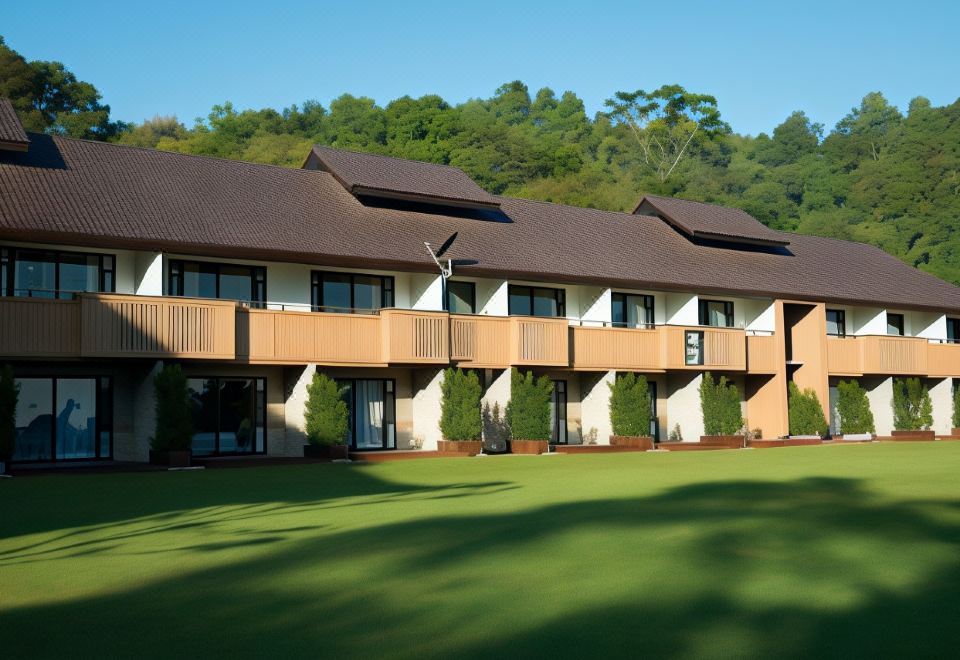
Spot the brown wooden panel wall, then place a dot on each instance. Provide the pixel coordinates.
(480, 341)
(539, 341)
(845, 356)
(624, 349)
(282, 337)
(38, 328)
(943, 360)
(895, 355)
(762, 354)
(413, 337)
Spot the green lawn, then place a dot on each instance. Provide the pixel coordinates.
(813, 551)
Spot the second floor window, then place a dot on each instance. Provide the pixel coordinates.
(836, 323)
(631, 311)
(197, 279)
(953, 330)
(537, 301)
(461, 297)
(716, 313)
(895, 324)
(54, 273)
(346, 293)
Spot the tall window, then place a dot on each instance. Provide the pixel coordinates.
(654, 420)
(836, 323)
(558, 413)
(198, 279)
(536, 301)
(631, 311)
(54, 273)
(895, 324)
(350, 292)
(373, 417)
(716, 313)
(61, 419)
(461, 297)
(953, 330)
(229, 415)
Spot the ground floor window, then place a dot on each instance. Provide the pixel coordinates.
(373, 417)
(558, 413)
(229, 415)
(654, 420)
(61, 419)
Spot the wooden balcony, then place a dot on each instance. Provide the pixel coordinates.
(880, 355)
(39, 328)
(762, 354)
(481, 342)
(943, 360)
(287, 337)
(538, 341)
(413, 337)
(626, 349)
(724, 349)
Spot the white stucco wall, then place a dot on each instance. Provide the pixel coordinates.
(682, 309)
(147, 276)
(426, 406)
(866, 320)
(880, 396)
(941, 395)
(928, 324)
(683, 405)
(595, 305)
(595, 404)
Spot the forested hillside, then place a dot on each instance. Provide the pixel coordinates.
(882, 175)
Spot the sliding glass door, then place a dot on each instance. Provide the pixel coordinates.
(372, 405)
(228, 415)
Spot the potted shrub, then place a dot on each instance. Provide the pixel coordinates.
(173, 435)
(912, 410)
(805, 414)
(630, 412)
(528, 413)
(327, 419)
(461, 424)
(853, 409)
(9, 395)
(722, 415)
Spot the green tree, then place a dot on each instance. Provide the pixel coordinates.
(956, 407)
(528, 413)
(805, 412)
(174, 418)
(912, 407)
(9, 395)
(460, 415)
(630, 405)
(326, 414)
(853, 408)
(720, 405)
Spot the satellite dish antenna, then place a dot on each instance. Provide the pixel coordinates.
(446, 269)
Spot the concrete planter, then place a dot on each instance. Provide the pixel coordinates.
(632, 441)
(729, 441)
(459, 447)
(175, 458)
(332, 452)
(529, 446)
(854, 437)
(917, 435)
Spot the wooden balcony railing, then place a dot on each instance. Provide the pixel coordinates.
(943, 360)
(538, 341)
(480, 341)
(845, 356)
(616, 348)
(881, 355)
(762, 354)
(287, 337)
(723, 348)
(413, 337)
(39, 328)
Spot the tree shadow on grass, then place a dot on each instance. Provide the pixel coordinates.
(813, 567)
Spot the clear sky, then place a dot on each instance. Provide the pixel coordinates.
(762, 60)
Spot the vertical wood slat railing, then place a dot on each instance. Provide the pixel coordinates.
(539, 341)
(723, 348)
(293, 337)
(38, 327)
(895, 355)
(761, 354)
(415, 337)
(616, 348)
(845, 356)
(480, 341)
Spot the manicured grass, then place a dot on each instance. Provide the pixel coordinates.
(849, 551)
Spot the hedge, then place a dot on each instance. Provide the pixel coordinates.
(720, 404)
(460, 417)
(326, 413)
(630, 405)
(528, 413)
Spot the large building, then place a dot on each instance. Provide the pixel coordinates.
(115, 260)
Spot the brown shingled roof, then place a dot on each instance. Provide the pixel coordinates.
(12, 135)
(710, 221)
(110, 196)
(382, 176)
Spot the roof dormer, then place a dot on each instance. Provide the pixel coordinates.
(12, 135)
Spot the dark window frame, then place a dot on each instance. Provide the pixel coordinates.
(901, 326)
(560, 391)
(258, 279)
(649, 307)
(387, 291)
(390, 391)
(473, 295)
(560, 297)
(266, 403)
(9, 256)
(841, 322)
(953, 328)
(704, 315)
(104, 424)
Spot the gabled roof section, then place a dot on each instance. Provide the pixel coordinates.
(711, 222)
(12, 135)
(372, 175)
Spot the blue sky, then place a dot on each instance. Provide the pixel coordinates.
(762, 60)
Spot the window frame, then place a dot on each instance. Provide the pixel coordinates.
(266, 429)
(387, 289)
(841, 322)
(703, 315)
(258, 280)
(473, 296)
(560, 297)
(902, 324)
(649, 307)
(388, 389)
(9, 256)
(953, 328)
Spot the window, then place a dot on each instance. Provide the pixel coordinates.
(196, 279)
(693, 347)
(536, 301)
(895, 324)
(716, 313)
(461, 297)
(631, 311)
(953, 330)
(228, 415)
(654, 420)
(558, 413)
(836, 323)
(373, 419)
(348, 293)
(54, 274)
(60, 419)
